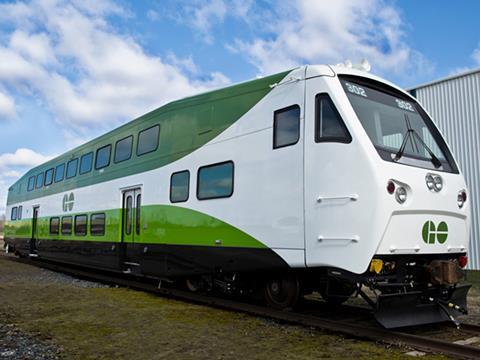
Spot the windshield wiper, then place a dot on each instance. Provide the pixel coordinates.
(435, 161)
(412, 133)
(400, 151)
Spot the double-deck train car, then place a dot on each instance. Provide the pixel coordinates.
(321, 178)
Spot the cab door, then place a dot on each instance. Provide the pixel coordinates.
(131, 225)
(330, 193)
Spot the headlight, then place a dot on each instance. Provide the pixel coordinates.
(438, 183)
(430, 182)
(461, 198)
(434, 182)
(401, 194)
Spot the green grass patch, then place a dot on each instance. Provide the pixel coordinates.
(107, 323)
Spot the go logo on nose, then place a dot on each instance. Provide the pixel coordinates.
(430, 232)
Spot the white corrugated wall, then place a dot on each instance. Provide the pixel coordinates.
(454, 104)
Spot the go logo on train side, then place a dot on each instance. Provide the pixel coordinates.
(68, 201)
(430, 232)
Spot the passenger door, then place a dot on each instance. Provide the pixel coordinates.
(131, 227)
(33, 240)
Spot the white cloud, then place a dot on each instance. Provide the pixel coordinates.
(7, 107)
(67, 54)
(307, 31)
(476, 56)
(21, 158)
(12, 165)
(153, 15)
(204, 15)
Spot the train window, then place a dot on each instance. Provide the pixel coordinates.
(97, 224)
(215, 181)
(286, 126)
(103, 157)
(81, 225)
(67, 225)
(86, 162)
(49, 177)
(148, 140)
(128, 215)
(123, 149)
(31, 183)
(329, 126)
(13, 215)
(72, 168)
(19, 212)
(138, 214)
(54, 226)
(39, 181)
(179, 186)
(59, 172)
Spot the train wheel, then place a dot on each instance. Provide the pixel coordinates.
(282, 292)
(194, 284)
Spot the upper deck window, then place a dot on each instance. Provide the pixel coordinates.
(86, 162)
(286, 126)
(72, 166)
(123, 149)
(59, 172)
(39, 181)
(103, 157)
(398, 127)
(49, 177)
(31, 183)
(148, 140)
(329, 126)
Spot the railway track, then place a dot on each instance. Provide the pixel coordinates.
(350, 326)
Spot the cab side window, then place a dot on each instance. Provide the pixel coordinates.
(286, 126)
(329, 126)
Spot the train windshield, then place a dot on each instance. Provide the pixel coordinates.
(398, 127)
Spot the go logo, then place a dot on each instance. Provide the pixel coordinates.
(430, 232)
(68, 201)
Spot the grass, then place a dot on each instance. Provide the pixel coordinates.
(106, 323)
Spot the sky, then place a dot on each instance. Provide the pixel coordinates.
(72, 70)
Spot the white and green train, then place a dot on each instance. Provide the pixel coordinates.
(321, 178)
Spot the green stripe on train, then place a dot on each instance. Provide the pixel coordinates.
(161, 224)
(185, 125)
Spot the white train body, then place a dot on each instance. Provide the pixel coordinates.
(330, 204)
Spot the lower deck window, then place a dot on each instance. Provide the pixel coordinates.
(179, 185)
(13, 216)
(67, 225)
(81, 225)
(97, 224)
(215, 181)
(54, 226)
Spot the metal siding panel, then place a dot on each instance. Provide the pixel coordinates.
(454, 105)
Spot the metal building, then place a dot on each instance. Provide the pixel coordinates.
(454, 104)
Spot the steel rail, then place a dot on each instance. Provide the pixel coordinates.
(397, 338)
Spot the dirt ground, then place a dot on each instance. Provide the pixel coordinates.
(85, 320)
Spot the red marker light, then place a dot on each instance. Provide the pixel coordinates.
(391, 187)
(462, 261)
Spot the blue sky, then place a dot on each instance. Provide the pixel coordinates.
(71, 70)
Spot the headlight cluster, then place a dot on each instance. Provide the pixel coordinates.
(400, 192)
(434, 182)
